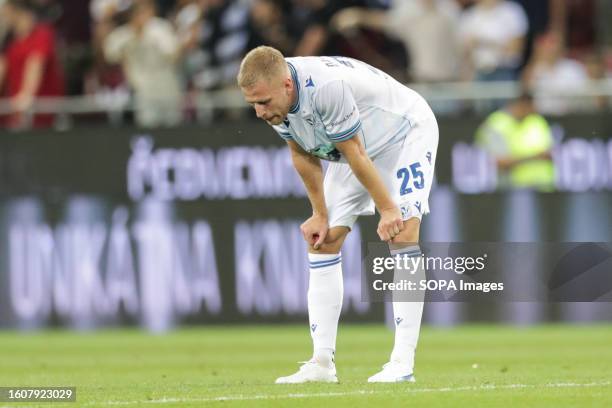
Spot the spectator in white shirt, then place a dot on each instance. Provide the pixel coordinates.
(147, 48)
(428, 29)
(554, 78)
(492, 33)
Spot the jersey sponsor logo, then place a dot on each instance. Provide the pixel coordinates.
(345, 118)
(326, 152)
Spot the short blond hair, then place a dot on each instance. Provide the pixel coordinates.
(261, 63)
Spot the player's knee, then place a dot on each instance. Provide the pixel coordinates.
(410, 233)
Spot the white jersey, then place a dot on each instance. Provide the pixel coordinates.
(338, 98)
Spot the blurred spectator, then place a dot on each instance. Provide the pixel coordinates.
(147, 48)
(268, 19)
(595, 67)
(310, 22)
(543, 16)
(553, 77)
(581, 32)
(187, 19)
(520, 141)
(4, 25)
(106, 15)
(164, 7)
(223, 40)
(106, 79)
(29, 66)
(427, 28)
(74, 43)
(492, 34)
(104, 10)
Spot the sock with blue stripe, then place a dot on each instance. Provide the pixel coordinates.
(407, 314)
(325, 292)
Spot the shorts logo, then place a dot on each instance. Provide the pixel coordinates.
(418, 205)
(404, 211)
(313, 327)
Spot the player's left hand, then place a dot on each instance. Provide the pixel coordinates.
(390, 224)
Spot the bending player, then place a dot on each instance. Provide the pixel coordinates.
(381, 139)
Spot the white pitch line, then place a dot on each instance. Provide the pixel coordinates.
(486, 387)
(352, 393)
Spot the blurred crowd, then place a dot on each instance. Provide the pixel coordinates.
(158, 52)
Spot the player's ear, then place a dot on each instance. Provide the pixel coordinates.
(288, 84)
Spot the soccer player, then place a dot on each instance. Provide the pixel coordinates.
(380, 138)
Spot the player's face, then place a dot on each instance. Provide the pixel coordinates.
(270, 99)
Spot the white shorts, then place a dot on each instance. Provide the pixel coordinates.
(407, 169)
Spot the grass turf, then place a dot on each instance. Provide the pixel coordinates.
(482, 365)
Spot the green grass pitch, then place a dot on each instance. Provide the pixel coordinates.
(480, 365)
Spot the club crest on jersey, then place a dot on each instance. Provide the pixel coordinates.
(309, 82)
(313, 327)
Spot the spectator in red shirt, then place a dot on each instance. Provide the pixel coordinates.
(29, 66)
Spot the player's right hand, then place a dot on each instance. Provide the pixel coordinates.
(315, 230)
(390, 224)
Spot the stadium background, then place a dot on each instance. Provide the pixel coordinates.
(200, 224)
(190, 231)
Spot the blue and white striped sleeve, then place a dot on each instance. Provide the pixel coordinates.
(338, 110)
(283, 132)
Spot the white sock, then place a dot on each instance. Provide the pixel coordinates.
(325, 291)
(407, 315)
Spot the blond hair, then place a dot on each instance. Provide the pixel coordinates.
(261, 63)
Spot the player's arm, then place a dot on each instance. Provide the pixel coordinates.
(390, 217)
(310, 170)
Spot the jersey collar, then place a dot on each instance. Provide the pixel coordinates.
(296, 84)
